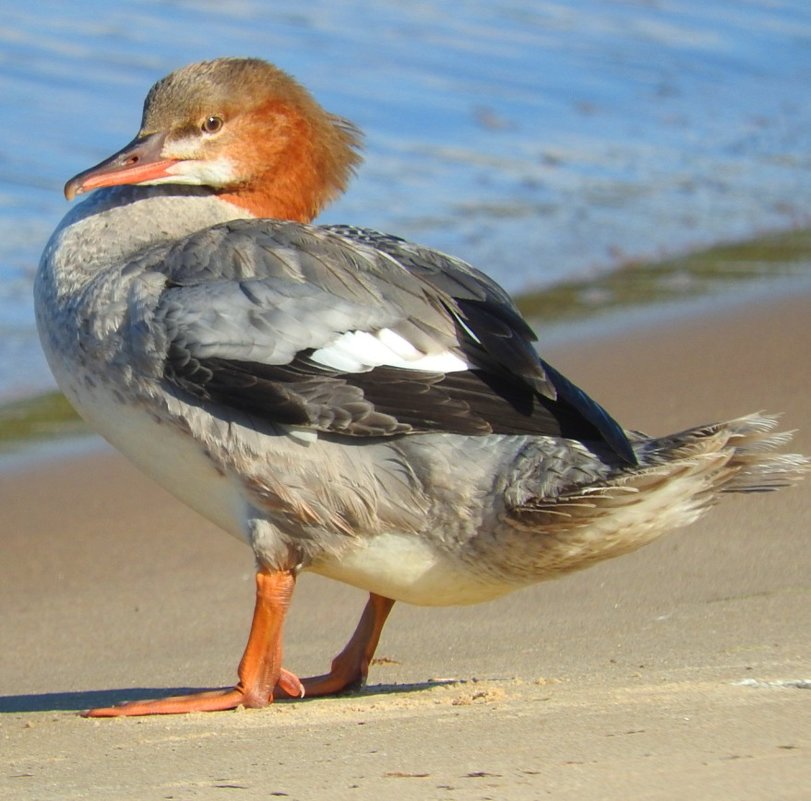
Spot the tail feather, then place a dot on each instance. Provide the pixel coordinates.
(750, 443)
(678, 478)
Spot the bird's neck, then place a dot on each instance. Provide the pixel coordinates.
(114, 225)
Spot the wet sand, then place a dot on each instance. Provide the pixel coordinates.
(680, 671)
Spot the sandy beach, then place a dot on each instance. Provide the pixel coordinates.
(674, 673)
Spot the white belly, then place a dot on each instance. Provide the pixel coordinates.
(162, 451)
(408, 568)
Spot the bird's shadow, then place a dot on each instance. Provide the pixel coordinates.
(88, 699)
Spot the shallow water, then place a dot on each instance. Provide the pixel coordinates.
(542, 141)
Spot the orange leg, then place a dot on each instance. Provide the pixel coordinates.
(350, 668)
(260, 670)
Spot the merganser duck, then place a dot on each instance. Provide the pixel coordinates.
(342, 400)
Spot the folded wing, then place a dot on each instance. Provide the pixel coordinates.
(353, 333)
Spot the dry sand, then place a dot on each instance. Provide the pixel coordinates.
(673, 673)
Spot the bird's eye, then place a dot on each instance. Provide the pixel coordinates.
(212, 124)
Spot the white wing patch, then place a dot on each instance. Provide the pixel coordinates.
(361, 351)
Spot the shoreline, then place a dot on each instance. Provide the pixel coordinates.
(630, 299)
(677, 666)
